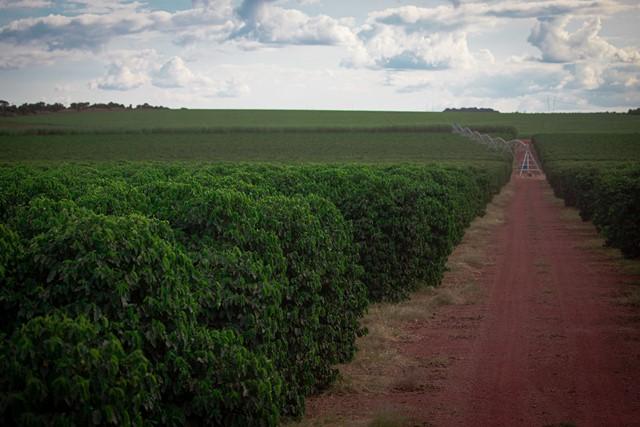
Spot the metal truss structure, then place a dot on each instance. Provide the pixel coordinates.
(515, 147)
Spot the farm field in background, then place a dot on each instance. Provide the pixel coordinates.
(526, 124)
(589, 147)
(366, 147)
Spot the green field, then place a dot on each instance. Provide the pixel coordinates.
(276, 136)
(594, 148)
(527, 124)
(367, 147)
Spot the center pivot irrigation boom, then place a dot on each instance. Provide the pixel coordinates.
(529, 166)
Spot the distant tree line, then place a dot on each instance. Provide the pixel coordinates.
(470, 110)
(635, 112)
(8, 109)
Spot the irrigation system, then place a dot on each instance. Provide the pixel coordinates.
(528, 166)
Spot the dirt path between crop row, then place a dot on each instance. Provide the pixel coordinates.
(550, 337)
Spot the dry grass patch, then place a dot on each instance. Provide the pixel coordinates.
(570, 214)
(389, 417)
(386, 417)
(410, 383)
(594, 242)
(325, 421)
(378, 365)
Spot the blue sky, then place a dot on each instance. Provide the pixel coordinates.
(540, 55)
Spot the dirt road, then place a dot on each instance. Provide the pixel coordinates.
(550, 343)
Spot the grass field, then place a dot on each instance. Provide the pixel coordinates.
(592, 148)
(527, 124)
(270, 147)
(276, 136)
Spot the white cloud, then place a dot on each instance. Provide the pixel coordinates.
(478, 16)
(585, 75)
(548, 8)
(14, 57)
(432, 38)
(417, 38)
(100, 6)
(428, 19)
(603, 77)
(92, 31)
(120, 77)
(559, 45)
(174, 73)
(394, 48)
(516, 80)
(126, 70)
(209, 20)
(510, 80)
(88, 31)
(131, 71)
(230, 89)
(24, 4)
(267, 23)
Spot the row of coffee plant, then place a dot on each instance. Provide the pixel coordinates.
(600, 175)
(173, 294)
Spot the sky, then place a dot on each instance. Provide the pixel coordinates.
(405, 55)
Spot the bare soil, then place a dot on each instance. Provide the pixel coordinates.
(535, 325)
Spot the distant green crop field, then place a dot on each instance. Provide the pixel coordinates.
(366, 147)
(594, 147)
(527, 124)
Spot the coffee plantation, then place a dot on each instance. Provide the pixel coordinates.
(208, 294)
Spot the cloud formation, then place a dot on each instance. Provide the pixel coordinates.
(559, 45)
(87, 31)
(92, 31)
(120, 77)
(174, 73)
(126, 71)
(132, 71)
(395, 48)
(265, 22)
(24, 4)
(561, 42)
(259, 21)
(14, 57)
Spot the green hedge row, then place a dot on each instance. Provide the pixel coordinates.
(174, 294)
(608, 195)
(139, 291)
(406, 219)
(597, 174)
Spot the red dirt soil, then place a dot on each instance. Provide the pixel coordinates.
(549, 344)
